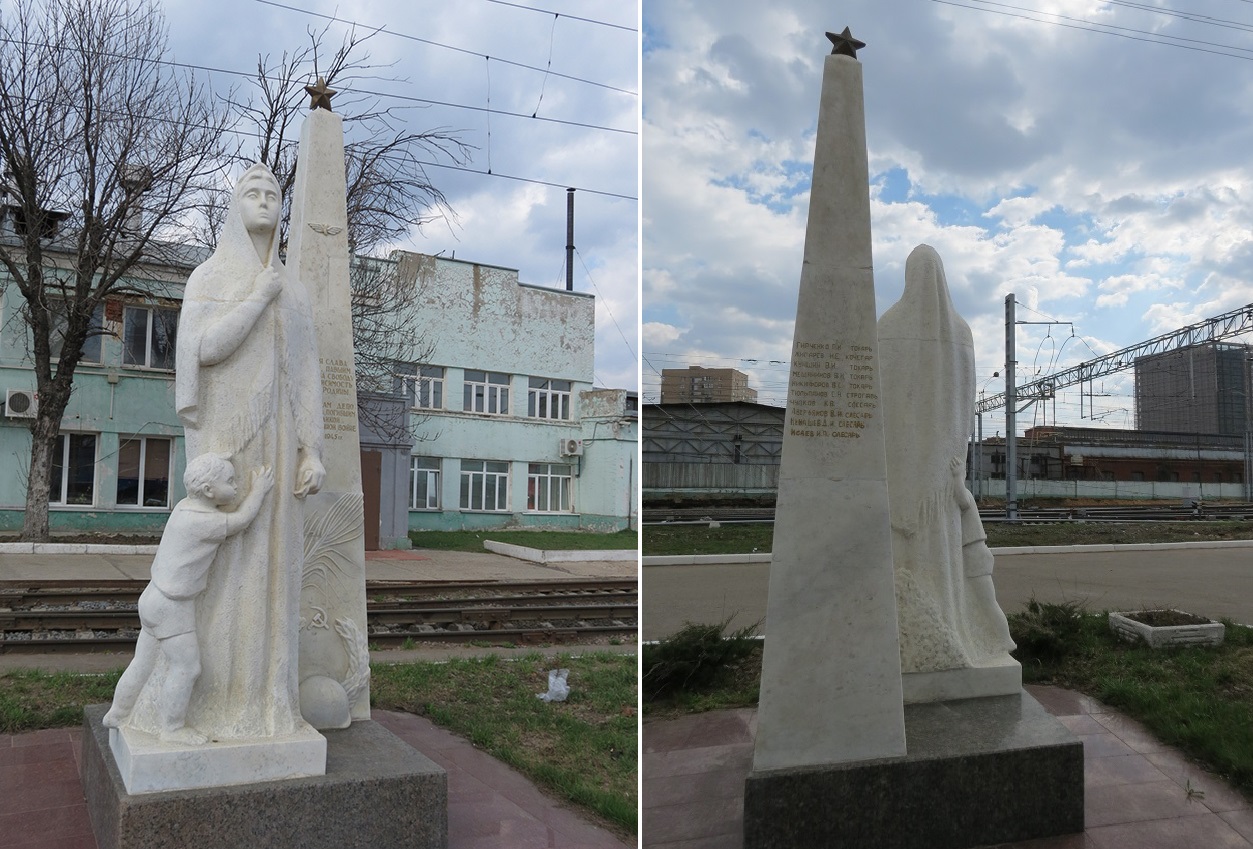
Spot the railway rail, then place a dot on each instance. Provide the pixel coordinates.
(1204, 511)
(80, 616)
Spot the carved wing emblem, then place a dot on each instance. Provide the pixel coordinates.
(326, 229)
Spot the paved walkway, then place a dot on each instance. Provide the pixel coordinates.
(490, 806)
(1135, 788)
(409, 565)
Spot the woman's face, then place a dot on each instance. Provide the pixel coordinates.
(259, 206)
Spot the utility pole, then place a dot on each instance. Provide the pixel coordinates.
(1011, 414)
(569, 240)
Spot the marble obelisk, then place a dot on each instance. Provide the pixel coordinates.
(334, 658)
(831, 675)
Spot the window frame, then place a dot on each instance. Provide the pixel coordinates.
(426, 383)
(151, 312)
(540, 479)
(545, 393)
(63, 448)
(492, 390)
(474, 474)
(141, 495)
(434, 475)
(93, 345)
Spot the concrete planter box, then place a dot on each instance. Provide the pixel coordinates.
(1166, 636)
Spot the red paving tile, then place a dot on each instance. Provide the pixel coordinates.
(490, 805)
(1136, 788)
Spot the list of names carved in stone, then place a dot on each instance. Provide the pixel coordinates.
(832, 390)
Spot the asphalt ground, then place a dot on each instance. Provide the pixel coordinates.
(1212, 579)
(411, 565)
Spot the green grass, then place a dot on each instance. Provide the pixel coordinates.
(30, 699)
(1199, 699)
(546, 540)
(746, 538)
(583, 749)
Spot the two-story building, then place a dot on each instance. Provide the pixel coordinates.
(507, 428)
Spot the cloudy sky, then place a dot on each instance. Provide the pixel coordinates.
(499, 221)
(1104, 180)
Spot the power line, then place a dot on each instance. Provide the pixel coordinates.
(462, 168)
(466, 51)
(586, 271)
(383, 94)
(1107, 29)
(576, 17)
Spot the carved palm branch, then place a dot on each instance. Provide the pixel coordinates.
(325, 533)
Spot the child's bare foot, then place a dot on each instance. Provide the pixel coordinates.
(114, 718)
(187, 736)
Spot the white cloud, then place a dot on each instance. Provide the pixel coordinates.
(1032, 163)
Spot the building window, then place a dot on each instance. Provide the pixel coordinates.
(484, 485)
(74, 470)
(143, 472)
(548, 399)
(56, 337)
(486, 392)
(1137, 477)
(548, 488)
(149, 337)
(425, 390)
(424, 483)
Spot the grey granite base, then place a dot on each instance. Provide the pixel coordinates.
(378, 792)
(978, 772)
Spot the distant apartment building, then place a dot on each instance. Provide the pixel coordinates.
(697, 385)
(1198, 389)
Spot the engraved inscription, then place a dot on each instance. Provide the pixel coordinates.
(831, 394)
(339, 408)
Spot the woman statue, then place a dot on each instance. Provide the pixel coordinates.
(949, 617)
(248, 387)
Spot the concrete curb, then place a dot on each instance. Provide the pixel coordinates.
(535, 555)
(73, 548)
(739, 559)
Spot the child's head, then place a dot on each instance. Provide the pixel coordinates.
(210, 476)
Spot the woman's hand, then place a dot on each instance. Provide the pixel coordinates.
(309, 476)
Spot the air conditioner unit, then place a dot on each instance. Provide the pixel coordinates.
(20, 404)
(570, 447)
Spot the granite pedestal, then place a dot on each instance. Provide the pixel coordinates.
(978, 772)
(378, 792)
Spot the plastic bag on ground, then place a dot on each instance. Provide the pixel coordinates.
(558, 689)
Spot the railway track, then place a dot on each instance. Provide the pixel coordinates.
(1206, 511)
(79, 617)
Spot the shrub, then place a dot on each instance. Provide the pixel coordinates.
(695, 657)
(1046, 631)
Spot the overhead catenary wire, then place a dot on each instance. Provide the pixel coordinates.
(250, 75)
(432, 43)
(572, 17)
(1108, 29)
(130, 112)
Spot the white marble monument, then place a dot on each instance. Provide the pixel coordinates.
(334, 656)
(831, 675)
(955, 642)
(247, 388)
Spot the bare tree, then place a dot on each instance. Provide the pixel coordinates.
(389, 191)
(108, 153)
